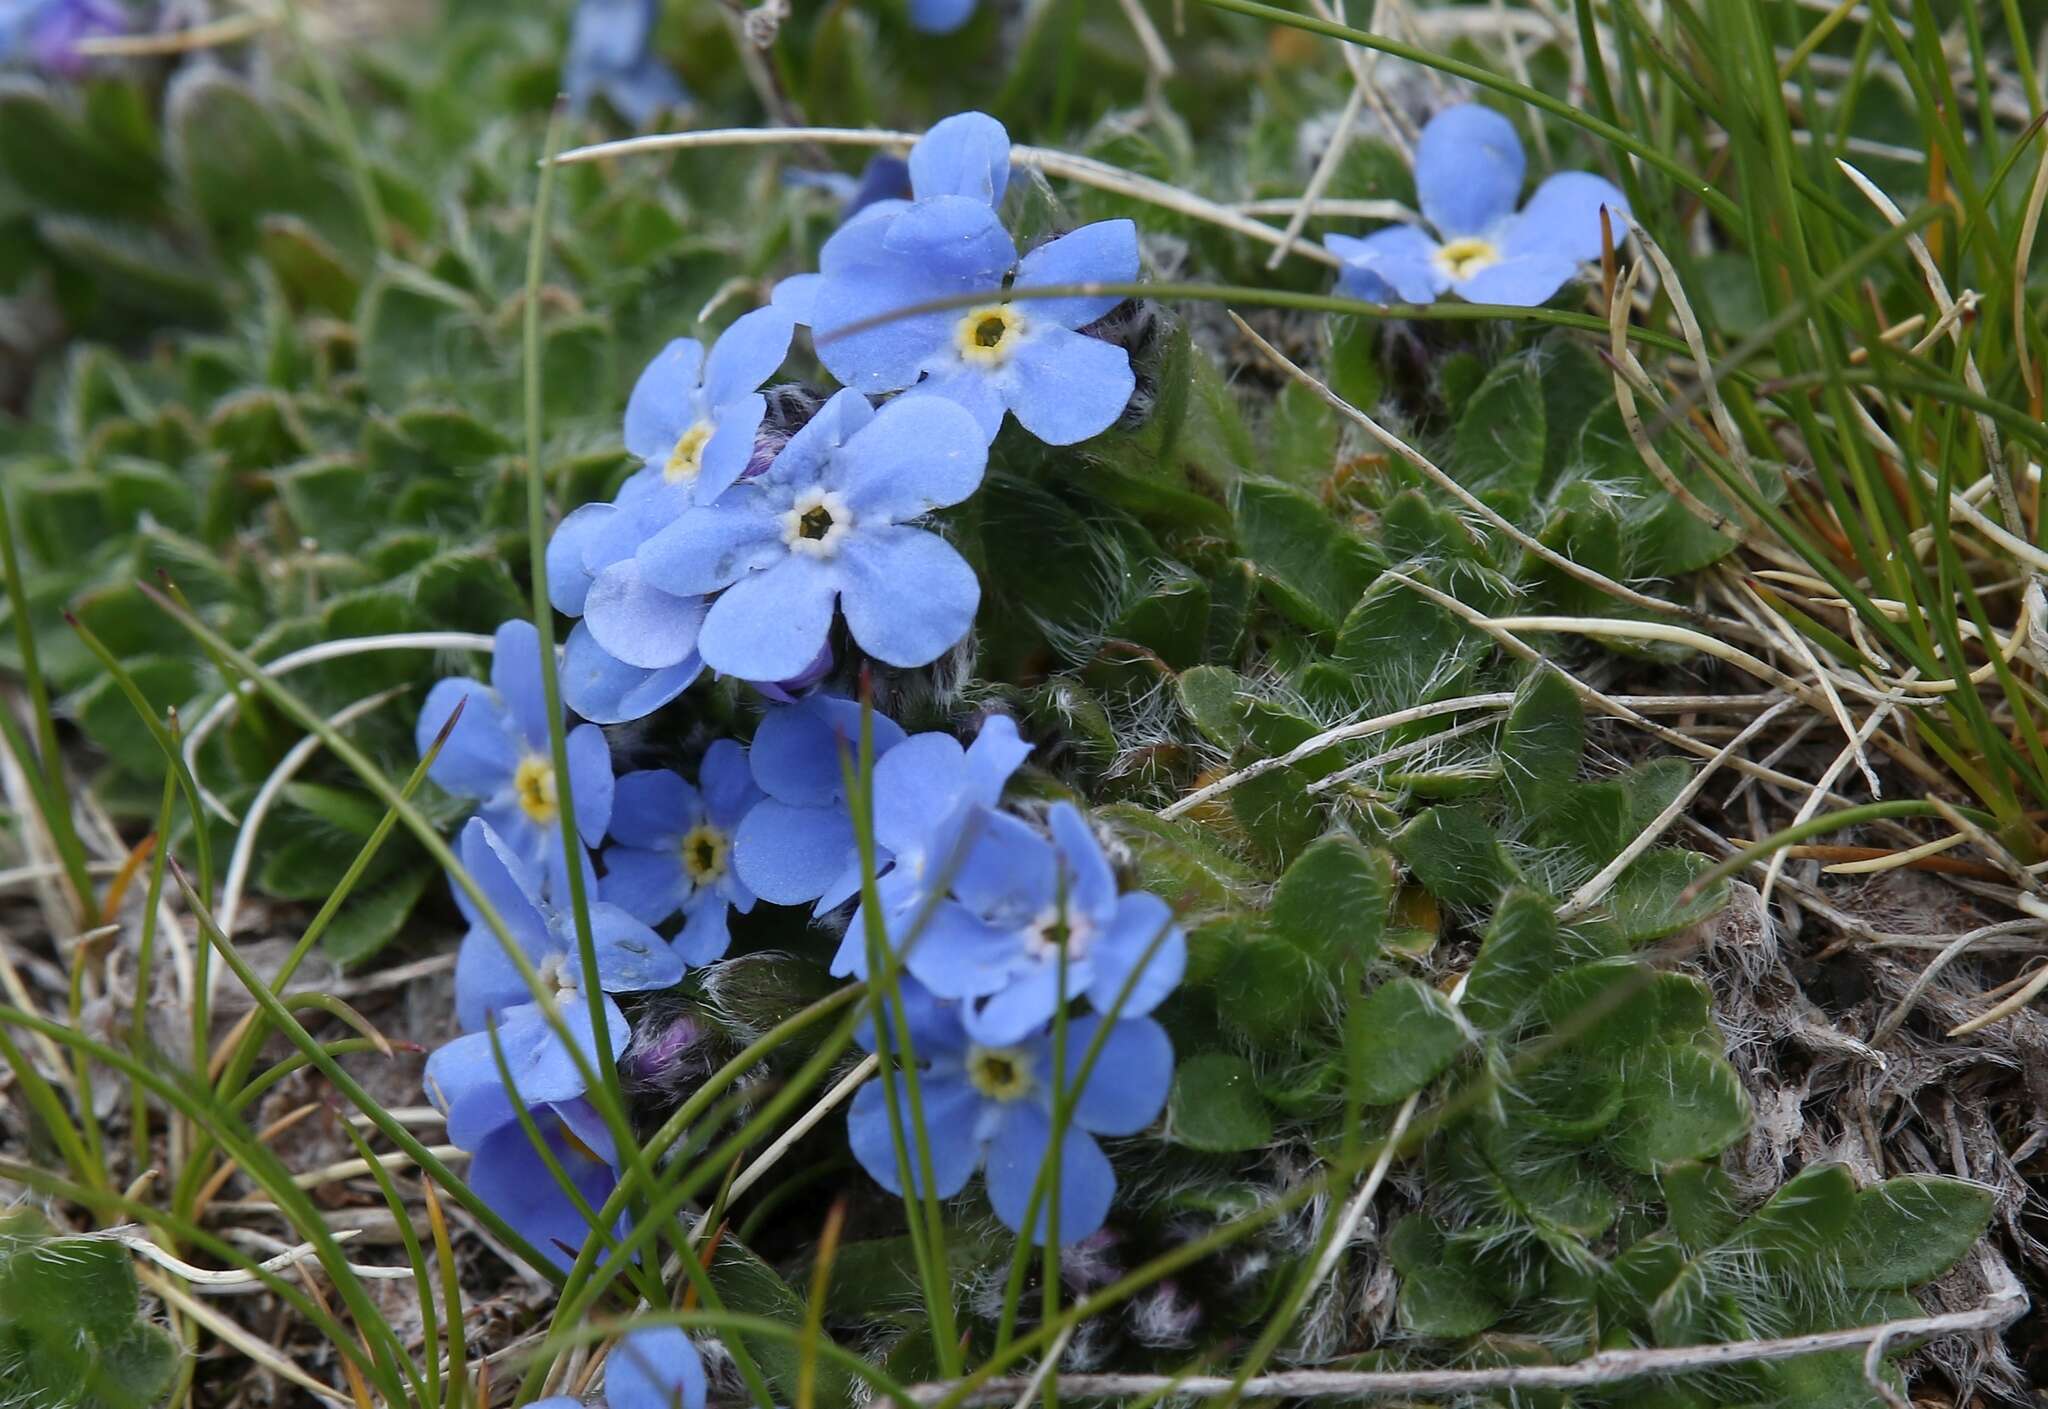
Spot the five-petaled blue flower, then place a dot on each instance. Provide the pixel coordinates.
(1468, 174)
(654, 1368)
(992, 1105)
(498, 752)
(1000, 353)
(674, 852)
(797, 844)
(631, 958)
(1024, 911)
(830, 526)
(694, 419)
(611, 55)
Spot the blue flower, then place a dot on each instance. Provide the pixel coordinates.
(656, 1368)
(999, 353)
(797, 844)
(991, 1106)
(611, 54)
(1468, 172)
(940, 16)
(931, 798)
(675, 849)
(498, 752)
(828, 526)
(631, 958)
(884, 178)
(1017, 902)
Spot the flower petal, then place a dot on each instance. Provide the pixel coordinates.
(1065, 387)
(1563, 218)
(664, 400)
(997, 752)
(1140, 919)
(639, 624)
(462, 1081)
(631, 958)
(654, 807)
(705, 936)
(714, 546)
(940, 16)
(1394, 265)
(731, 446)
(1015, 1156)
(797, 749)
(1010, 875)
(967, 154)
(515, 671)
(1126, 1088)
(590, 781)
(1523, 281)
(1468, 170)
(605, 690)
(569, 573)
(788, 854)
(959, 955)
(947, 1136)
(508, 882)
(1105, 252)
(727, 781)
(918, 454)
(510, 1176)
(479, 758)
(970, 387)
(769, 625)
(649, 885)
(654, 1368)
(747, 354)
(1022, 1006)
(795, 295)
(1090, 885)
(908, 595)
(486, 982)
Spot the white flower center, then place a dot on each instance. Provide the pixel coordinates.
(688, 456)
(1050, 931)
(988, 335)
(817, 523)
(999, 1073)
(560, 971)
(1462, 258)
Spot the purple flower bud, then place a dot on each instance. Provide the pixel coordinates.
(656, 1058)
(60, 26)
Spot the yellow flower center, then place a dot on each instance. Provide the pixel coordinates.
(988, 335)
(704, 853)
(688, 457)
(534, 782)
(1462, 258)
(1000, 1073)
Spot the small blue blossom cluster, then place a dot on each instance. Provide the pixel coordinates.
(743, 540)
(997, 924)
(1468, 176)
(657, 1367)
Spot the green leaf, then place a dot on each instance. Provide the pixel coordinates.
(1682, 1103)
(1399, 1039)
(310, 270)
(106, 716)
(1209, 694)
(1521, 952)
(132, 266)
(1177, 861)
(1315, 568)
(1644, 904)
(1332, 902)
(1267, 990)
(1441, 1293)
(1501, 432)
(751, 1287)
(59, 166)
(1544, 739)
(85, 1285)
(1216, 1105)
(374, 915)
(1911, 1229)
(1456, 856)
